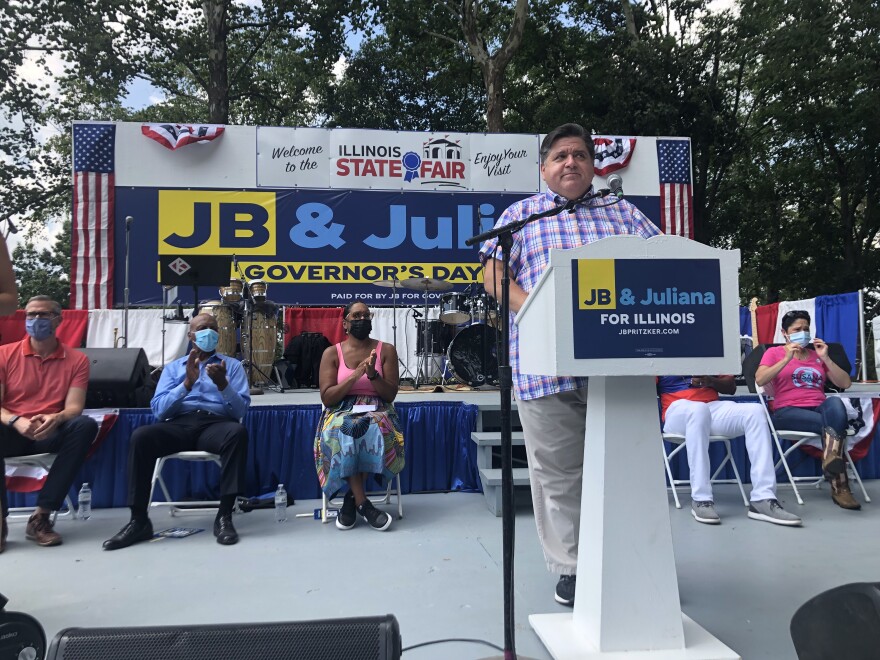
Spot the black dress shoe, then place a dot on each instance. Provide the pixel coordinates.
(224, 531)
(134, 532)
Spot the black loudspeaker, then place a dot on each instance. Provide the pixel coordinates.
(361, 638)
(753, 360)
(840, 624)
(117, 377)
(21, 635)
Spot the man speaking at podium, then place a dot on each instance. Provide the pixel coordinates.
(553, 410)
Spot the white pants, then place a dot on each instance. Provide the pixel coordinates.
(696, 421)
(554, 428)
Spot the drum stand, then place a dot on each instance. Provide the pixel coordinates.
(422, 375)
(403, 374)
(248, 361)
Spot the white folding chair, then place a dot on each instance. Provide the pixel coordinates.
(182, 507)
(797, 439)
(376, 497)
(43, 461)
(680, 441)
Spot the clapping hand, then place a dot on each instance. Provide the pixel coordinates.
(217, 372)
(192, 369)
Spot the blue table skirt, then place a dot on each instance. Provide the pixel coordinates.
(439, 455)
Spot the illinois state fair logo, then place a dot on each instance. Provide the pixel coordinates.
(439, 163)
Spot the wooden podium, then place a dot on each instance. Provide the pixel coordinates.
(627, 601)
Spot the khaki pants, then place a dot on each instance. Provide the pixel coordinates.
(554, 427)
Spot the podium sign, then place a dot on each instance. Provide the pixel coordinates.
(629, 308)
(622, 311)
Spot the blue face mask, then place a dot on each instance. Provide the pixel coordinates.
(39, 329)
(802, 338)
(207, 339)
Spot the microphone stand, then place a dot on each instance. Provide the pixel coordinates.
(505, 376)
(128, 221)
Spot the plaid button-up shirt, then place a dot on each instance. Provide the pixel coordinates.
(530, 255)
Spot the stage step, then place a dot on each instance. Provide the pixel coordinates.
(490, 478)
(493, 439)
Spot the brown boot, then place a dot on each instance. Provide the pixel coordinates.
(832, 452)
(4, 531)
(841, 494)
(39, 529)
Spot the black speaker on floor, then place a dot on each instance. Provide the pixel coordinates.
(118, 378)
(21, 635)
(839, 624)
(361, 638)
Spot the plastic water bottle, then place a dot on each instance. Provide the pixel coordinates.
(85, 502)
(280, 504)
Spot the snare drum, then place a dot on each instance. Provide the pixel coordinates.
(483, 309)
(454, 308)
(258, 290)
(438, 337)
(473, 355)
(226, 324)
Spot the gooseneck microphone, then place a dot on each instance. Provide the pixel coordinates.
(615, 183)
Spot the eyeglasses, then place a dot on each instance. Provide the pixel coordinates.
(40, 315)
(360, 316)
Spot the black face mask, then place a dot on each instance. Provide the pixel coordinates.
(360, 328)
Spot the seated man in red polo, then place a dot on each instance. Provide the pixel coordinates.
(43, 387)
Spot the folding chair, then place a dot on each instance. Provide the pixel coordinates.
(45, 462)
(797, 438)
(376, 497)
(680, 441)
(182, 507)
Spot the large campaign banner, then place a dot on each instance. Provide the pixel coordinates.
(319, 215)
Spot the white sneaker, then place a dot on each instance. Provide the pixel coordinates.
(704, 512)
(772, 512)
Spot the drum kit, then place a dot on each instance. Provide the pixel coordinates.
(465, 333)
(243, 310)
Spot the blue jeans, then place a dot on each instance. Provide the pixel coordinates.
(831, 413)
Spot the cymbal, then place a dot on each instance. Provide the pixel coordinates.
(426, 284)
(389, 283)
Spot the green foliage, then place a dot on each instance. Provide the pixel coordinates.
(43, 272)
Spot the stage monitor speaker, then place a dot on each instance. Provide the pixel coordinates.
(117, 377)
(361, 638)
(21, 635)
(842, 623)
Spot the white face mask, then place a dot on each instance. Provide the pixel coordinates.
(801, 338)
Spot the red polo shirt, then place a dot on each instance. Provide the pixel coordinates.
(33, 385)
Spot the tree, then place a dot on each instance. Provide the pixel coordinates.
(44, 272)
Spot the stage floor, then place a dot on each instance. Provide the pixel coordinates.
(438, 571)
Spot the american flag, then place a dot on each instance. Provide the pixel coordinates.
(91, 276)
(676, 200)
(172, 136)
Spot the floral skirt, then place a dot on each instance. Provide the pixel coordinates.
(349, 443)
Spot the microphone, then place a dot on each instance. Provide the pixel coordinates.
(417, 314)
(128, 221)
(616, 184)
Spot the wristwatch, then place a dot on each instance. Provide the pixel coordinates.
(12, 420)
(374, 376)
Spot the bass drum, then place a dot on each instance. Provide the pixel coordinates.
(226, 324)
(473, 356)
(259, 342)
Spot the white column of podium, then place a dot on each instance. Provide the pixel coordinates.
(627, 601)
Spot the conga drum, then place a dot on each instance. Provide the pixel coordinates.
(226, 324)
(258, 344)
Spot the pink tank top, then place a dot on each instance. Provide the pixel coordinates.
(363, 384)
